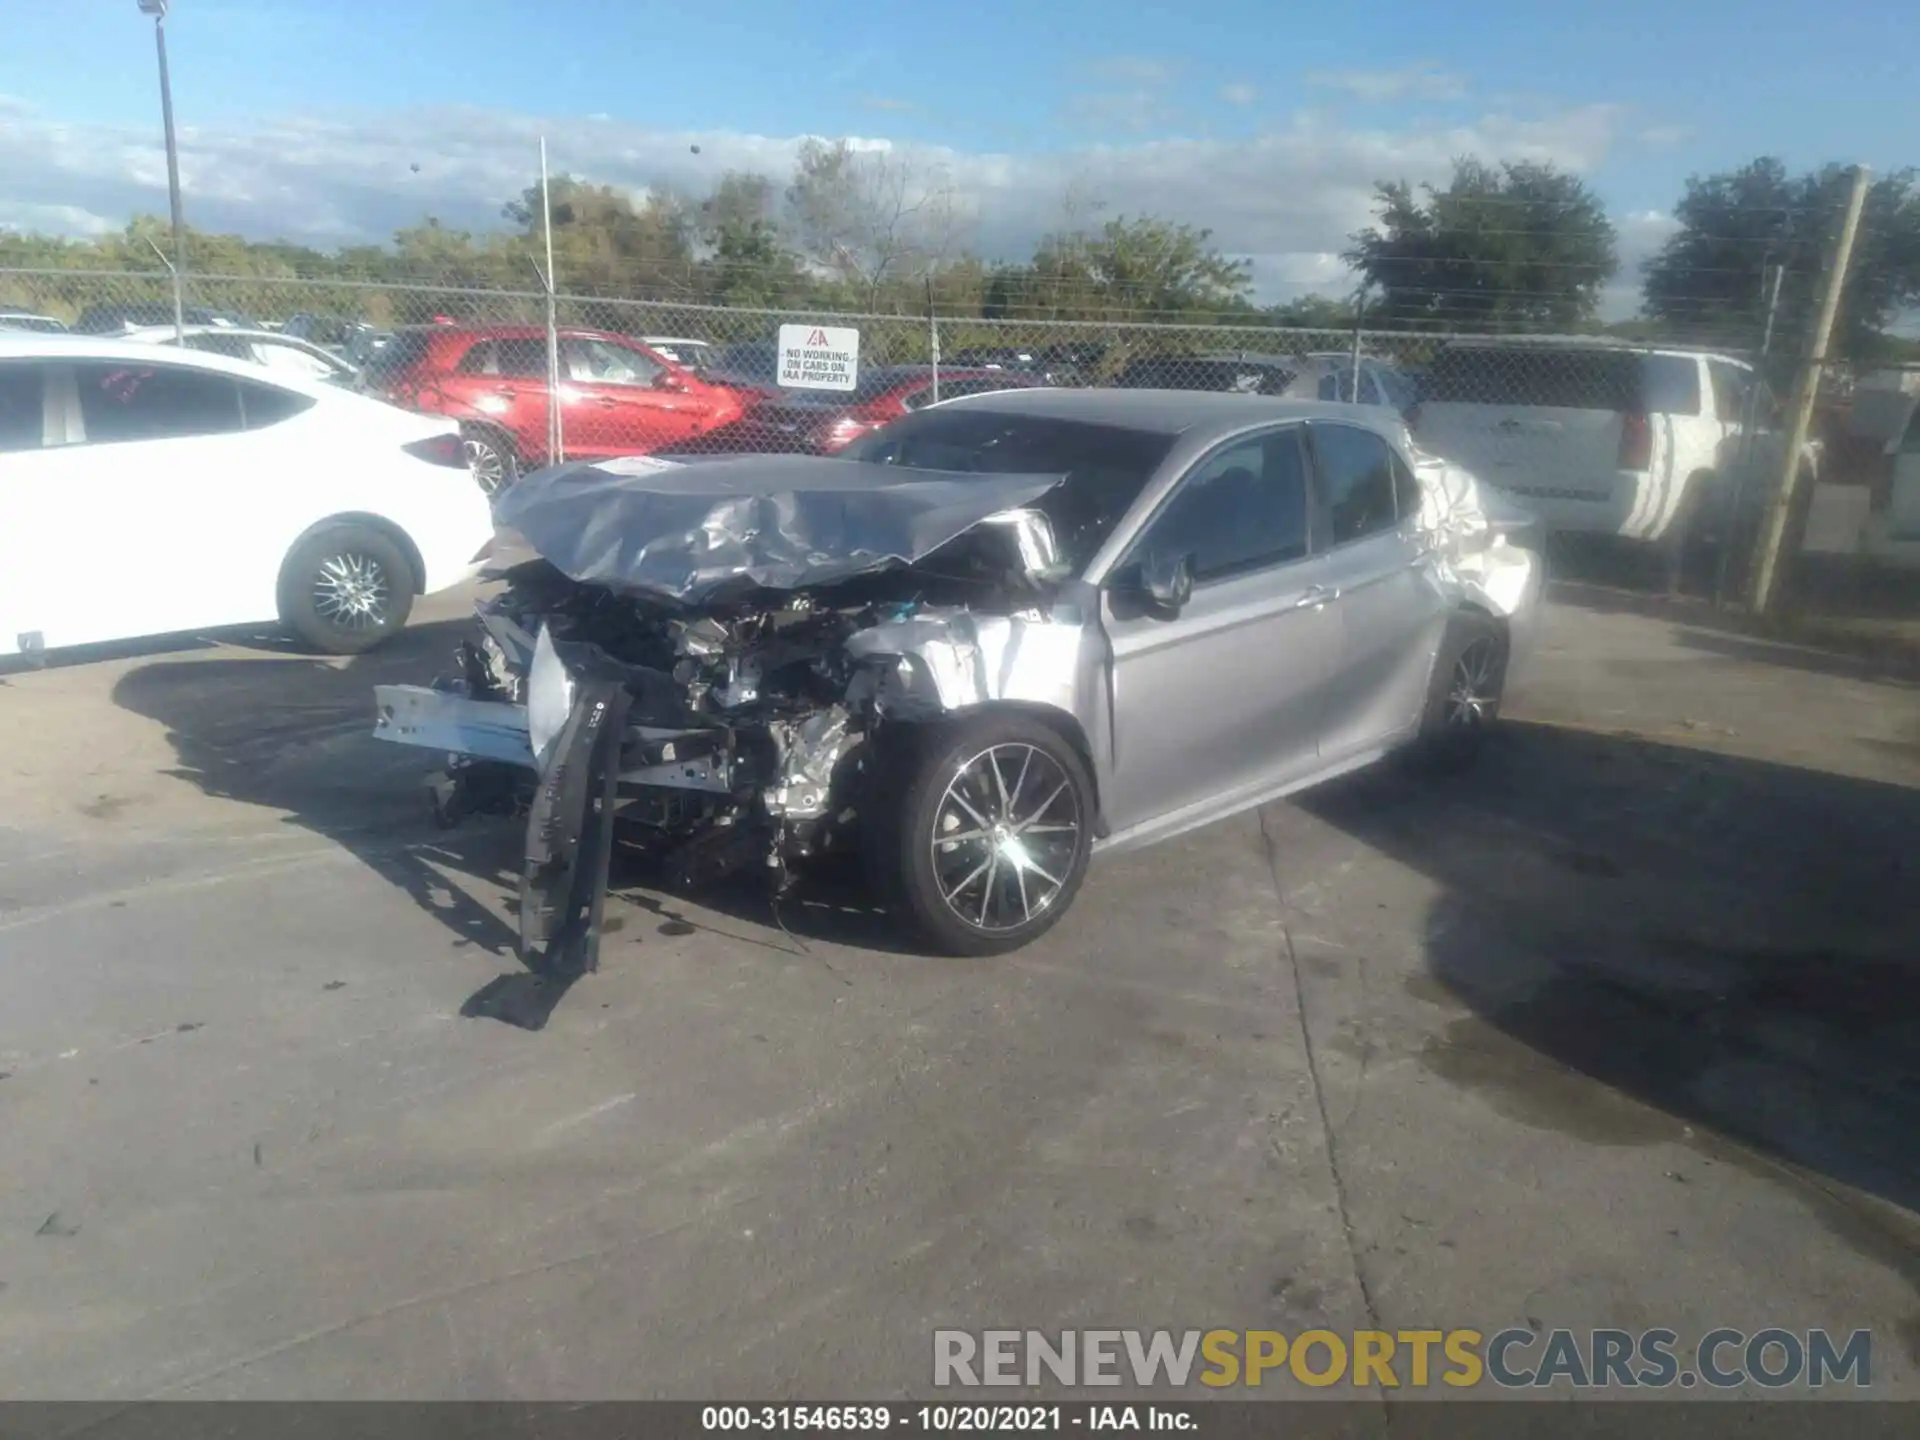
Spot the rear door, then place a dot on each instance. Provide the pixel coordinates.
(1388, 606)
(176, 469)
(1224, 700)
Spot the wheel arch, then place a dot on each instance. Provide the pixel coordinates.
(380, 525)
(1063, 723)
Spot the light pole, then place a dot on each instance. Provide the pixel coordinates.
(158, 10)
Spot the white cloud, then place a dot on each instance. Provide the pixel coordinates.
(1665, 137)
(1239, 93)
(1640, 234)
(1287, 198)
(1424, 81)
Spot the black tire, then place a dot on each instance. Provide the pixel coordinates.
(913, 788)
(492, 458)
(345, 588)
(1463, 697)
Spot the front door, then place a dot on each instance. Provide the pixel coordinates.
(1388, 604)
(620, 401)
(1225, 699)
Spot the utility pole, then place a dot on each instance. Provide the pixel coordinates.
(158, 10)
(1766, 571)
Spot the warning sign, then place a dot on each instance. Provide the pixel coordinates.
(818, 357)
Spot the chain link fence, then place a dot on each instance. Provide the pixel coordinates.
(1557, 420)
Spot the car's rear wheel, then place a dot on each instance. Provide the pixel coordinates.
(1464, 695)
(345, 589)
(981, 832)
(492, 458)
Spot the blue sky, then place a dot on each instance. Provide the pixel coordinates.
(1634, 94)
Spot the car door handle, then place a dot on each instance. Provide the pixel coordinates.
(606, 402)
(1315, 596)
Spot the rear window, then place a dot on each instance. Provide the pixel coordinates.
(22, 422)
(1552, 377)
(1107, 466)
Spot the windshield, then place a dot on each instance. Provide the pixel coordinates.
(1106, 466)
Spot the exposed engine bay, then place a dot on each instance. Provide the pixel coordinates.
(726, 728)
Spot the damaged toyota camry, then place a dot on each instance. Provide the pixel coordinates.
(1001, 635)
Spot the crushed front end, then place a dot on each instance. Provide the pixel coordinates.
(726, 724)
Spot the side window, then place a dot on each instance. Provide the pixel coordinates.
(1356, 481)
(264, 405)
(22, 412)
(478, 360)
(1730, 386)
(1670, 385)
(121, 402)
(522, 359)
(597, 362)
(1370, 388)
(923, 397)
(1242, 508)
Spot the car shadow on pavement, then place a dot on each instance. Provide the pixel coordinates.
(1723, 943)
(294, 734)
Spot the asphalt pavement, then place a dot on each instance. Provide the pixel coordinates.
(1619, 1030)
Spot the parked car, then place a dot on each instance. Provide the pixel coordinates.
(145, 491)
(1139, 613)
(1608, 438)
(271, 349)
(823, 422)
(143, 315)
(27, 320)
(1050, 364)
(322, 330)
(1326, 375)
(749, 365)
(617, 397)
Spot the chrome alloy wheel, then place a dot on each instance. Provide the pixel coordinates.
(351, 592)
(1473, 691)
(1005, 835)
(488, 464)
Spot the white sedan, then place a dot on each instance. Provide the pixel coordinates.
(147, 491)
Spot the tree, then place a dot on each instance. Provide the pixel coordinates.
(1713, 272)
(1130, 269)
(871, 218)
(747, 261)
(1515, 245)
(604, 243)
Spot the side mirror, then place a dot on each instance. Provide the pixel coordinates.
(667, 380)
(1158, 586)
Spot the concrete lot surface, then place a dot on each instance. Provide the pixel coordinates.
(1621, 1030)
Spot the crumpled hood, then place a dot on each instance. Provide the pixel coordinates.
(720, 529)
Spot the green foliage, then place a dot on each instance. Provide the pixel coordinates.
(1737, 225)
(1143, 268)
(1517, 246)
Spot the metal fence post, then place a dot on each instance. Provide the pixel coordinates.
(1749, 423)
(933, 339)
(556, 435)
(1766, 570)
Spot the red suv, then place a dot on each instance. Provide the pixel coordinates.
(825, 422)
(617, 396)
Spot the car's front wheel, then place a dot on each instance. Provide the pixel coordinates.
(981, 831)
(344, 589)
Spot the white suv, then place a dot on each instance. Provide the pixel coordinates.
(1608, 438)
